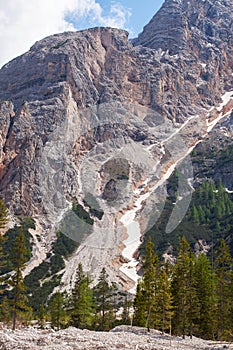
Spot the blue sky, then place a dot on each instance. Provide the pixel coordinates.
(139, 14)
(142, 12)
(24, 22)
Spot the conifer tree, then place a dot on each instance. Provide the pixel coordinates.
(223, 269)
(153, 301)
(42, 317)
(139, 318)
(58, 311)
(102, 293)
(205, 286)
(126, 310)
(163, 301)
(2, 258)
(151, 272)
(5, 316)
(115, 300)
(3, 214)
(82, 300)
(20, 306)
(3, 221)
(201, 214)
(195, 215)
(183, 291)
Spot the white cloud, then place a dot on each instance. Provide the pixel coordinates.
(22, 22)
(120, 15)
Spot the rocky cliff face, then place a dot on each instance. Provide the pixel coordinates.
(93, 114)
(187, 26)
(200, 32)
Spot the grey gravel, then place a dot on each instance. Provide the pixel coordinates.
(123, 337)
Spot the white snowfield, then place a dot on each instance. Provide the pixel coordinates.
(122, 337)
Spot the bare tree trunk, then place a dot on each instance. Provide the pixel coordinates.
(14, 320)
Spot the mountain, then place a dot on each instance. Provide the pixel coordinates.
(189, 27)
(93, 125)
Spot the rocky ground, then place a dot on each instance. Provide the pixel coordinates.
(123, 337)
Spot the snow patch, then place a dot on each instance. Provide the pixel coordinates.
(225, 99)
(228, 191)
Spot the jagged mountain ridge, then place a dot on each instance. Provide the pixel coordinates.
(188, 26)
(94, 87)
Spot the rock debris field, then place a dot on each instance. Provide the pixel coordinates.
(122, 337)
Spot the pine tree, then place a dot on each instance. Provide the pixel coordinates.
(5, 316)
(139, 318)
(3, 215)
(114, 301)
(126, 310)
(3, 221)
(201, 214)
(195, 215)
(20, 306)
(3, 257)
(223, 269)
(211, 192)
(58, 311)
(102, 293)
(205, 286)
(42, 317)
(183, 291)
(218, 226)
(82, 300)
(151, 271)
(163, 301)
